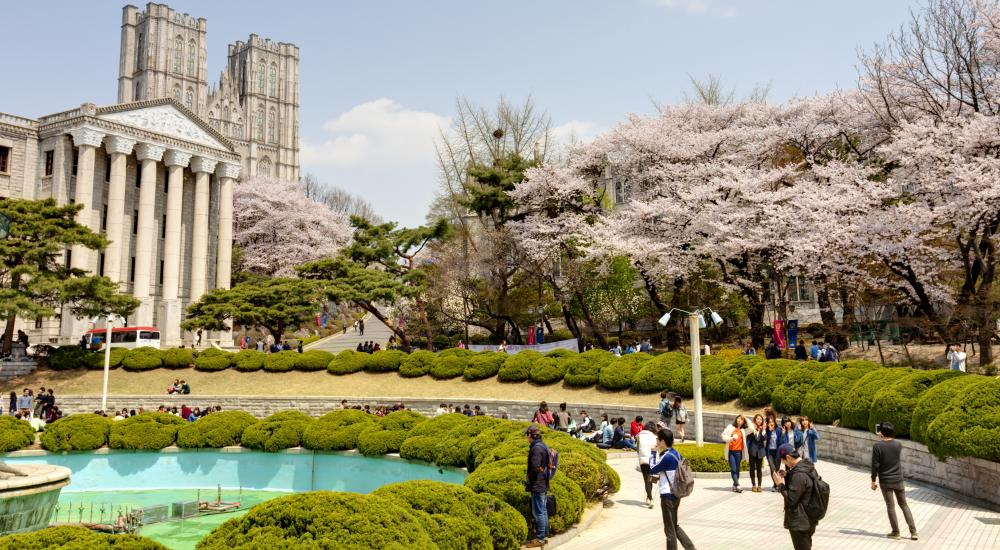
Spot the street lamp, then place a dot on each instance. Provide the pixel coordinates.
(696, 321)
(107, 357)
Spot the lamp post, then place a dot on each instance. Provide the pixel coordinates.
(696, 321)
(107, 360)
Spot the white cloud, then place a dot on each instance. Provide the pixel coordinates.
(700, 7)
(575, 131)
(376, 133)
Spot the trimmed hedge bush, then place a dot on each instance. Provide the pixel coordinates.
(762, 379)
(934, 401)
(790, 394)
(77, 432)
(585, 368)
(216, 430)
(710, 458)
(548, 370)
(94, 360)
(69, 357)
(618, 374)
(337, 430)
(969, 424)
(388, 435)
(896, 402)
(281, 430)
(724, 382)
(212, 360)
(144, 358)
(422, 441)
(322, 519)
(313, 360)
(823, 402)
(417, 364)
(346, 362)
(448, 366)
(517, 367)
(484, 365)
(283, 361)
(15, 434)
(180, 358)
(146, 431)
(384, 361)
(857, 405)
(656, 375)
(247, 360)
(77, 538)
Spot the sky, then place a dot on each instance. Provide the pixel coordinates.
(380, 78)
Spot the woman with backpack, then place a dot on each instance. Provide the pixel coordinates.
(736, 448)
(680, 416)
(666, 411)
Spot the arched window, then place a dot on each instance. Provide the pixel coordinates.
(273, 82)
(261, 69)
(192, 57)
(178, 55)
(141, 45)
(271, 127)
(258, 125)
(189, 99)
(177, 93)
(264, 167)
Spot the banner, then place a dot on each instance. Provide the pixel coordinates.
(779, 334)
(793, 332)
(570, 344)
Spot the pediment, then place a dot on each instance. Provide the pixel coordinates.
(167, 119)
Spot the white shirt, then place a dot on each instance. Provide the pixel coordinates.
(957, 359)
(645, 441)
(666, 476)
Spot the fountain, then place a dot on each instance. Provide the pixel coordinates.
(28, 495)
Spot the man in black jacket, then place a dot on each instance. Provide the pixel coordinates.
(795, 484)
(885, 467)
(537, 483)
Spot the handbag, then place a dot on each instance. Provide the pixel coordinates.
(550, 505)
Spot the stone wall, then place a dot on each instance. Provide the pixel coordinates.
(972, 478)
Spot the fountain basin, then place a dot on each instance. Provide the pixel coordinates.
(27, 502)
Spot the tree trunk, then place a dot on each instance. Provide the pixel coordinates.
(400, 333)
(826, 314)
(758, 330)
(594, 329)
(8, 334)
(848, 320)
(422, 313)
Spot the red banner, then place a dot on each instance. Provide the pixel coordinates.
(779, 334)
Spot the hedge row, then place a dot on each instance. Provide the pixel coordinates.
(67, 537)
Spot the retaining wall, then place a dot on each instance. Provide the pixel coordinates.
(975, 479)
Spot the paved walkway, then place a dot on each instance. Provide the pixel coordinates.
(716, 518)
(374, 331)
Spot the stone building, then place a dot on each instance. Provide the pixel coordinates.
(155, 172)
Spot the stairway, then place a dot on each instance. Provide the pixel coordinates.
(374, 331)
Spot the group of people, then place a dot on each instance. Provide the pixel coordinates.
(368, 347)
(824, 352)
(377, 410)
(642, 346)
(179, 387)
(38, 409)
(762, 440)
(475, 410)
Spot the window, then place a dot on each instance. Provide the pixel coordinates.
(161, 273)
(148, 335)
(76, 159)
(189, 99)
(258, 125)
(135, 222)
(273, 80)
(177, 93)
(100, 264)
(38, 322)
(623, 190)
(138, 91)
(261, 69)
(141, 44)
(124, 336)
(799, 290)
(192, 56)
(178, 55)
(4, 159)
(264, 167)
(131, 279)
(49, 162)
(104, 218)
(163, 227)
(107, 168)
(271, 126)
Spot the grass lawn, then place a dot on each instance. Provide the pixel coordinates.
(361, 384)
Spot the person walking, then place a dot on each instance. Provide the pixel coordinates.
(885, 468)
(757, 452)
(666, 411)
(735, 436)
(645, 443)
(663, 461)
(361, 327)
(680, 416)
(796, 486)
(538, 485)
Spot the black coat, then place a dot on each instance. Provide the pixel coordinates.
(757, 444)
(796, 490)
(538, 465)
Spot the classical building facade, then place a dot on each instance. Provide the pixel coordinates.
(155, 172)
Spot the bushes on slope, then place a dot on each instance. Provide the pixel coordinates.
(15, 434)
(144, 358)
(346, 362)
(446, 367)
(313, 360)
(281, 430)
(181, 358)
(969, 425)
(823, 402)
(517, 367)
(584, 369)
(337, 430)
(94, 360)
(417, 364)
(788, 396)
(212, 360)
(618, 374)
(896, 402)
(146, 431)
(934, 401)
(388, 435)
(70, 357)
(384, 361)
(77, 432)
(657, 373)
(762, 379)
(216, 430)
(283, 361)
(248, 360)
(548, 370)
(74, 538)
(484, 365)
(857, 404)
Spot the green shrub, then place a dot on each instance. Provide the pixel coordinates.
(710, 458)
(77, 432)
(517, 367)
(281, 430)
(618, 374)
(460, 518)
(94, 360)
(559, 334)
(144, 358)
(384, 361)
(896, 402)
(505, 481)
(76, 538)
(455, 448)
(585, 368)
(934, 401)
(212, 360)
(548, 370)
(216, 430)
(823, 402)
(313, 360)
(70, 357)
(448, 366)
(346, 362)
(146, 431)
(481, 449)
(322, 519)
(656, 375)
(969, 425)
(337, 430)
(790, 394)
(560, 353)
(455, 352)
(283, 361)
(180, 358)
(484, 365)
(15, 434)
(762, 379)
(422, 441)
(388, 435)
(248, 360)
(857, 404)
(417, 364)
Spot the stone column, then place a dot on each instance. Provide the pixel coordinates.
(226, 172)
(149, 155)
(87, 140)
(170, 305)
(203, 169)
(119, 148)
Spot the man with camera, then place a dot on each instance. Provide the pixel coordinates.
(886, 469)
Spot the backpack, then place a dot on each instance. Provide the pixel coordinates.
(666, 411)
(553, 455)
(819, 499)
(683, 482)
(682, 415)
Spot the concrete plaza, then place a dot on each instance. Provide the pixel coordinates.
(716, 518)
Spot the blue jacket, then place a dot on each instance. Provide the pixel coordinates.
(777, 441)
(810, 437)
(538, 465)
